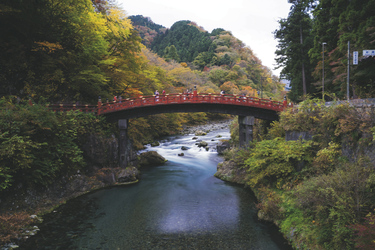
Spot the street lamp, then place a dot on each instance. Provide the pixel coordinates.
(323, 73)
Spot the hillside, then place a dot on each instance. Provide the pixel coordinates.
(221, 58)
(147, 28)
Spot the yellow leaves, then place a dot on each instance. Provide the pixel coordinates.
(326, 157)
(249, 91)
(118, 24)
(97, 22)
(133, 92)
(229, 88)
(47, 46)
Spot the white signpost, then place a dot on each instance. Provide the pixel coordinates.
(355, 57)
(369, 52)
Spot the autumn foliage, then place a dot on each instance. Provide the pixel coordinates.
(319, 192)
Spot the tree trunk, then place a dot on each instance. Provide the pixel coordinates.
(303, 64)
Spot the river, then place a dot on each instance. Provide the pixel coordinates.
(179, 205)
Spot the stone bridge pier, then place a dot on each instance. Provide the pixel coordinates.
(245, 124)
(122, 144)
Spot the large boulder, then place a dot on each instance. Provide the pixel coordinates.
(222, 146)
(200, 133)
(129, 174)
(229, 171)
(202, 144)
(151, 158)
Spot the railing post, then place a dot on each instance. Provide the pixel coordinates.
(99, 106)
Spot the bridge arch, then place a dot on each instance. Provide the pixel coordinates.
(213, 103)
(246, 108)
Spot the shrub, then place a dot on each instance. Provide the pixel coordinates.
(11, 224)
(275, 162)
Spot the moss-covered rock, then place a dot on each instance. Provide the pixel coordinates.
(202, 144)
(151, 158)
(200, 133)
(229, 171)
(129, 174)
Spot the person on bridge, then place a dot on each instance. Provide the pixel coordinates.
(157, 95)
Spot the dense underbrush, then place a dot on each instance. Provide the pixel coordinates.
(319, 192)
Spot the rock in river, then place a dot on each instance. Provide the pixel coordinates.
(151, 158)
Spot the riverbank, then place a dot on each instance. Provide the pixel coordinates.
(22, 209)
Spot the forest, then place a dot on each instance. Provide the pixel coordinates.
(319, 192)
(75, 51)
(65, 51)
(315, 30)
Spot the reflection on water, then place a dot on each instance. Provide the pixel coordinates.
(179, 205)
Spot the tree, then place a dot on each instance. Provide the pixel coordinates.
(170, 53)
(229, 88)
(294, 43)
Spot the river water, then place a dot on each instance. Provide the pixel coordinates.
(179, 205)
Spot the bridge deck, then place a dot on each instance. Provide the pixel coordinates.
(169, 99)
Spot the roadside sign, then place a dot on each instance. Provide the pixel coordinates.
(370, 52)
(355, 57)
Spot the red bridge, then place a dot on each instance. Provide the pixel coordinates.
(169, 103)
(247, 108)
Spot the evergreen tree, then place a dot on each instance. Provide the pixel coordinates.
(170, 53)
(295, 41)
(188, 40)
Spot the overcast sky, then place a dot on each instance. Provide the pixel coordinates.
(251, 21)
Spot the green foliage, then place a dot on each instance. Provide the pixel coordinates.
(234, 132)
(38, 145)
(144, 130)
(294, 42)
(301, 36)
(276, 130)
(194, 118)
(170, 53)
(326, 159)
(337, 200)
(335, 123)
(70, 53)
(186, 37)
(275, 162)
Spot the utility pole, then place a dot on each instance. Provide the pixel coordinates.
(323, 73)
(348, 78)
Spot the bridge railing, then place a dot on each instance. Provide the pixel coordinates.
(190, 98)
(152, 100)
(67, 107)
